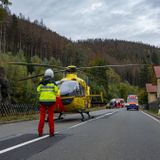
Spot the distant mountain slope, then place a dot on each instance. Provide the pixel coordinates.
(124, 52)
(34, 38)
(120, 51)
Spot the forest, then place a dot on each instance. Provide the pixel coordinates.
(24, 41)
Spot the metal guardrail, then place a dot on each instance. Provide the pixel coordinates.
(17, 109)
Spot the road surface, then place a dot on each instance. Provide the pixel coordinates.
(111, 135)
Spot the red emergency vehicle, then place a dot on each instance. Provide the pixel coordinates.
(132, 102)
(119, 103)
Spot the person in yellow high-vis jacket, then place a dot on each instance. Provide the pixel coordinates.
(48, 92)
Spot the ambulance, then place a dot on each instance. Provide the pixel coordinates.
(132, 102)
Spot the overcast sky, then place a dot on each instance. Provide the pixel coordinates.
(132, 20)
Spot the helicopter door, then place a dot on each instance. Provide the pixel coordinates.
(81, 90)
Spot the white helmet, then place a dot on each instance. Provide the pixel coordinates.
(49, 72)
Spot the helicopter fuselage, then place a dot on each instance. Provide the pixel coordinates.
(74, 93)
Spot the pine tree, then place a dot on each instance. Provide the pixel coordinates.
(3, 14)
(145, 75)
(4, 3)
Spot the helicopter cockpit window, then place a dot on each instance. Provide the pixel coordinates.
(69, 88)
(58, 83)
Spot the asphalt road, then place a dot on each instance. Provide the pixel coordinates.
(111, 135)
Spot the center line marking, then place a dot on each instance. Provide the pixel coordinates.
(43, 137)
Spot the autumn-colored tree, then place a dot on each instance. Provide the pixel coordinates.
(3, 23)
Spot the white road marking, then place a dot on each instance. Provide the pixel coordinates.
(22, 144)
(82, 123)
(151, 117)
(43, 137)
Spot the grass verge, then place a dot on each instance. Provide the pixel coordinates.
(153, 113)
(18, 118)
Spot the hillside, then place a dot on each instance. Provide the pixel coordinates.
(124, 52)
(33, 42)
(34, 38)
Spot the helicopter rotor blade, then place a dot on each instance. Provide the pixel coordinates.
(112, 65)
(30, 77)
(38, 75)
(35, 65)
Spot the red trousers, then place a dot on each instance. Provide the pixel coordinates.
(59, 104)
(43, 109)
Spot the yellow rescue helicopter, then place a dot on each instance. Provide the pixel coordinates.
(74, 91)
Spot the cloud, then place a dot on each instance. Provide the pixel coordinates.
(92, 8)
(136, 20)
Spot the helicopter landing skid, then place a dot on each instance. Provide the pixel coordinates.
(60, 116)
(82, 115)
(89, 116)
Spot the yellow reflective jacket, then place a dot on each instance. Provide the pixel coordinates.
(47, 92)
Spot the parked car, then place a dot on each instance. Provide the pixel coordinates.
(120, 103)
(117, 103)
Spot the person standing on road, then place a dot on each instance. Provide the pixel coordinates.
(48, 91)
